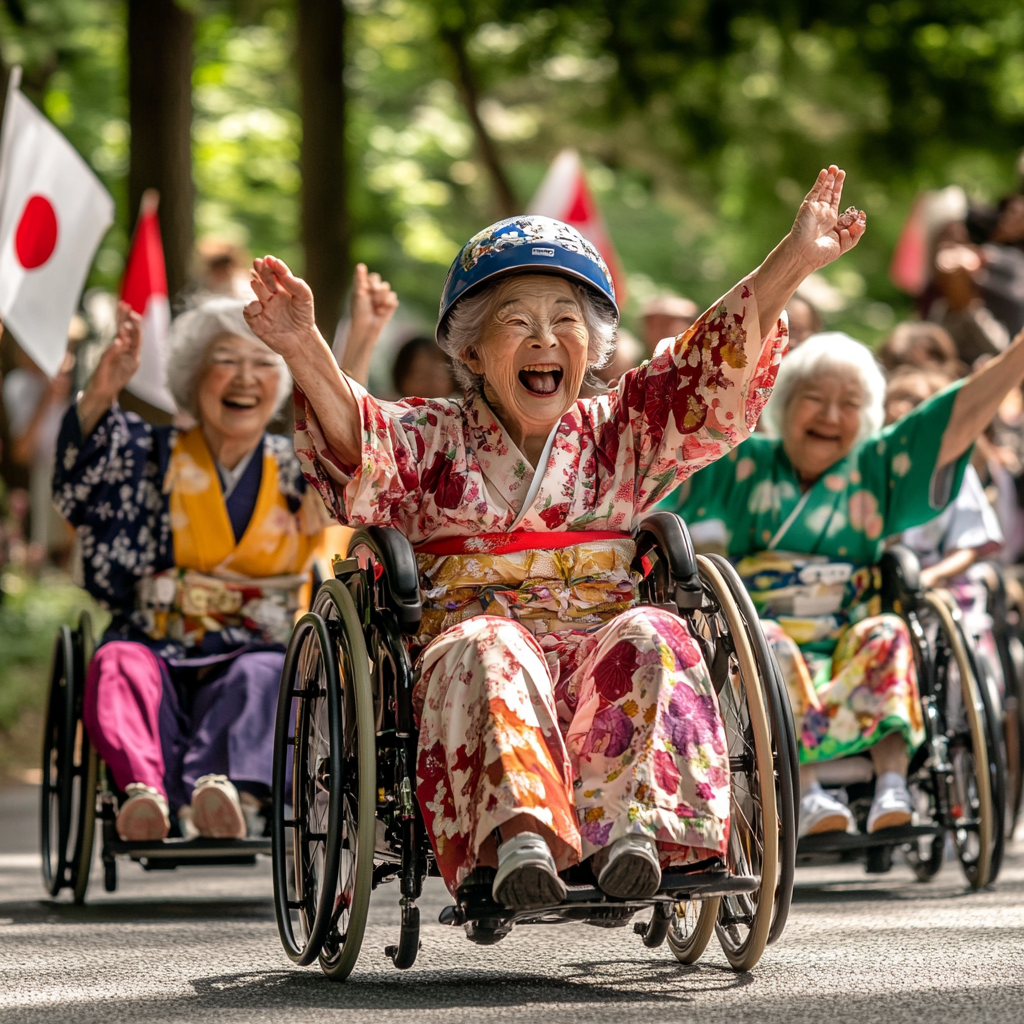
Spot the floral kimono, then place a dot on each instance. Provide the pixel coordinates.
(808, 559)
(542, 689)
(202, 575)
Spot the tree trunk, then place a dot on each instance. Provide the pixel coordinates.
(321, 61)
(160, 36)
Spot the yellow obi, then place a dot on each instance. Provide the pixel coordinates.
(574, 587)
(253, 584)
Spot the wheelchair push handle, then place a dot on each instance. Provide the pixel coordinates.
(901, 578)
(667, 532)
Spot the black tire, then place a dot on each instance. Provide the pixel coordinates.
(787, 763)
(975, 817)
(333, 758)
(68, 792)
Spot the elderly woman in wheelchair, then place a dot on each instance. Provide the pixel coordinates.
(556, 722)
(809, 505)
(198, 541)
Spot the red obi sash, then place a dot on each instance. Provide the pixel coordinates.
(519, 540)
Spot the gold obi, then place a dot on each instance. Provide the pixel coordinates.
(575, 587)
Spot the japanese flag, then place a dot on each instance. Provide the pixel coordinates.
(144, 288)
(53, 213)
(565, 195)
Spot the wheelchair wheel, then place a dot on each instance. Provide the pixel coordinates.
(70, 765)
(975, 818)
(787, 762)
(333, 760)
(743, 921)
(691, 928)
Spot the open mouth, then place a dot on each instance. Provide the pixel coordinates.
(541, 380)
(241, 401)
(821, 437)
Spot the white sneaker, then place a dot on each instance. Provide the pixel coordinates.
(527, 877)
(143, 816)
(216, 809)
(892, 806)
(632, 870)
(820, 813)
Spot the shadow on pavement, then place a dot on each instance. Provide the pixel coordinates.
(135, 911)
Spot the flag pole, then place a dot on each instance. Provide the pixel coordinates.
(13, 82)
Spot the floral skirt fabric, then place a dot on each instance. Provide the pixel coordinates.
(869, 691)
(596, 735)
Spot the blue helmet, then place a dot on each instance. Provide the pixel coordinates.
(526, 243)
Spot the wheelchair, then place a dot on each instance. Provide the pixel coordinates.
(77, 791)
(348, 821)
(957, 777)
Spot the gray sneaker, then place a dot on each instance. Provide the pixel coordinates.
(527, 878)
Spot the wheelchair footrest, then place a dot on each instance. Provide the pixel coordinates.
(192, 851)
(843, 842)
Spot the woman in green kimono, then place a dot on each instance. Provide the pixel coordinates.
(805, 510)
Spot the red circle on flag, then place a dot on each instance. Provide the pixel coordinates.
(36, 234)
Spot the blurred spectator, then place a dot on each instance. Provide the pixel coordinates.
(35, 406)
(629, 353)
(920, 343)
(804, 320)
(910, 385)
(222, 268)
(423, 370)
(666, 316)
(959, 305)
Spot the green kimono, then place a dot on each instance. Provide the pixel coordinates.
(808, 560)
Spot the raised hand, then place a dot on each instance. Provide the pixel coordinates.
(120, 361)
(373, 303)
(116, 368)
(282, 314)
(820, 233)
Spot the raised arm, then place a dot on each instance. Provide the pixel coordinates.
(116, 368)
(282, 318)
(979, 399)
(373, 306)
(820, 234)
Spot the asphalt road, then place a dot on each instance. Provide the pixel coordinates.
(200, 945)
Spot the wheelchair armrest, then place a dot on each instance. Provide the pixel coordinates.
(667, 532)
(901, 578)
(401, 575)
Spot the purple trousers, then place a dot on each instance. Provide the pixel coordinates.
(150, 727)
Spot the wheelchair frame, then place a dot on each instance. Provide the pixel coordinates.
(76, 792)
(959, 766)
(345, 725)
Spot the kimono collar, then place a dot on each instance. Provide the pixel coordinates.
(501, 461)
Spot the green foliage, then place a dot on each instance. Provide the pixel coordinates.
(30, 614)
(702, 122)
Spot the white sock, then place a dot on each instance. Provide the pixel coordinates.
(888, 781)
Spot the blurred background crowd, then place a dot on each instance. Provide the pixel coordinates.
(387, 131)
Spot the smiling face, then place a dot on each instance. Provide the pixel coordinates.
(532, 352)
(238, 388)
(821, 423)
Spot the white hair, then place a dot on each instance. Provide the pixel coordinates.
(189, 342)
(829, 352)
(461, 328)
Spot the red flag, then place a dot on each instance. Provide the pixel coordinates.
(565, 195)
(144, 288)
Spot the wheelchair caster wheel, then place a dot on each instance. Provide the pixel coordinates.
(487, 931)
(653, 932)
(879, 860)
(403, 956)
(110, 875)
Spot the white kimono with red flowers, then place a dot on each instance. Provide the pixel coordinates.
(543, 690)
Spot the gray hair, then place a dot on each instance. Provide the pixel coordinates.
(464, 323)
(191, 334)
(829, 352)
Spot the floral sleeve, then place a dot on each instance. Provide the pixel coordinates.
(109, 487)
(409, 448)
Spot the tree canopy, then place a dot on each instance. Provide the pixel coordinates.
(701, 123)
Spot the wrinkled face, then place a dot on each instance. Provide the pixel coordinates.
(821, 423)
(238, 388)
(532, 352)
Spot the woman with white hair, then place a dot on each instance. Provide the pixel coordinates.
(557, 721)
(808, 507)
(198, 542)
